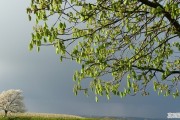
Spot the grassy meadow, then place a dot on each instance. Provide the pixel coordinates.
(43, 116)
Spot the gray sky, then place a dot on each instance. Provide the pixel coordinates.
(47, 84)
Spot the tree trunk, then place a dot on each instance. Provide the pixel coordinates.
(5, 113)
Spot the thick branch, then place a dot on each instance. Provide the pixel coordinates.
(155, 69)
(166, 14)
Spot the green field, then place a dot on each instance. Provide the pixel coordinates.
(51, 118)
(43, 116)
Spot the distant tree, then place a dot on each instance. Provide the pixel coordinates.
(12, 101)
(136, 43)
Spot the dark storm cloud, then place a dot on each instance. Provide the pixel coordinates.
(47, 84)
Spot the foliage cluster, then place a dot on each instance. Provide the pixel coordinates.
(135, 43)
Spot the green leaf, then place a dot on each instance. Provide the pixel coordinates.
(30, 46)
(128, 83)
(96, 98)
(108, 96)
(61, 58)
(38, 49)
(29, 17)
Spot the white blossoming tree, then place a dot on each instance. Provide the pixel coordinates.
(12, 101)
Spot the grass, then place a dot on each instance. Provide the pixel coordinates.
(42, 116)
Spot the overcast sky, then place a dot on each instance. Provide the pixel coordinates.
(47, 84)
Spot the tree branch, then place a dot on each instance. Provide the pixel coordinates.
(155, 69)
(166, 14)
